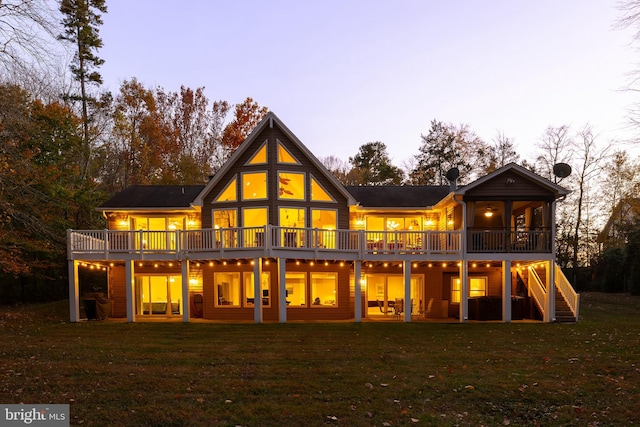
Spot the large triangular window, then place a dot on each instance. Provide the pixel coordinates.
(260, 157)
(284, 156)
(229, 194)
(318, 193)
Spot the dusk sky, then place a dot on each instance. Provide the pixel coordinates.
(344, 73)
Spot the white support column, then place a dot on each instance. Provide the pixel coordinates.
(551, 289)
(257, 290)
(186, 307)
(282, 294)
(464, 291)
(506, 291)
(357, 271)
(406, 267)
(129, 285)
(74, 292)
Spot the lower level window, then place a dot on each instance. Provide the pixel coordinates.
(227, 289)
(324, 288)
(477, 288)
(249, 289)
(296, 289)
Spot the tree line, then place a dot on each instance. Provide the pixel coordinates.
(66, 146)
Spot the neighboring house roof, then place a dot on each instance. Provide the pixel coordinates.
(625, 210)
(271, 120)
(153, 197)
(401, 196)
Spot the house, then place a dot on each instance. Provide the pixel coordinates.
(614, 233)
(273, 236)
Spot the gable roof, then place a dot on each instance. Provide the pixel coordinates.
(399, 196)
(271, 120)
(556, 189)
(153, 197)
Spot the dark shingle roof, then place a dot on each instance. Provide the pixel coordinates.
(154, 196)
(404, 196)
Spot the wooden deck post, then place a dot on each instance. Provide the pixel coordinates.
(506, 291)
(464, 291)
(257, 290)
(74, 291)
(406, 267)
(282, 294)
(130, 283)
(185, 291)
(357, 297)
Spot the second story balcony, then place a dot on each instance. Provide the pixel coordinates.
(267, 241)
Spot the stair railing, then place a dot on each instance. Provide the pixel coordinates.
(537, 289)
(570, 296)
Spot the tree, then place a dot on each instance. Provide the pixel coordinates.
(39, 191)
(197, 132)
(27, 31)
(372, 166)
(502, 151)
(447, 146)
(81, 27)
(631, 18)
(556, 145)
(338, 167)
(247, 115)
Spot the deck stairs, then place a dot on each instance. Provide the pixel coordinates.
(567, 301)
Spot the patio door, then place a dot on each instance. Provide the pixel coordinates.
(384, 291)
(158, 295)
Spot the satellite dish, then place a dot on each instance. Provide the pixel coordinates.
(453, 174)
(561, 170)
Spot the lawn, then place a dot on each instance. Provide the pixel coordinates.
(368, 374)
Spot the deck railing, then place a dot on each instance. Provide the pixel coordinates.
(267, 238)
(504, 240)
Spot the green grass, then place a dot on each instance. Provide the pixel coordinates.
(209, 374)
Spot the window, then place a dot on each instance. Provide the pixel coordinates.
(248, 289)
(296, 289)
(319, 194)
(291, 186)
(325, 220)
(254, 185)
(254, 219)
(284, 156)
(291, 219)
(477, 288)
(324, 289)
(260, 157)
(224, 218)
(159, 232)
(227, 289)
(229, 194)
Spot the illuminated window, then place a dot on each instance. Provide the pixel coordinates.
(260, 157)
(319, 194)
(227, 290)
(225, 220)
(229, 194)
(477, 288)
(248, 289)
(254, 217)
(284, 156)
(291, 186)
(290, 220)
(296, 289)
(159, 233)
(324, 288)
(158, 295)
(254, 185)
(326, 221)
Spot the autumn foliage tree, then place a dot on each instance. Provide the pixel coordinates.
(246, 117)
